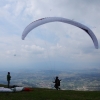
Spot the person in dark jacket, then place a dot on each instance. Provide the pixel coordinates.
(8, 78)
(57, 83)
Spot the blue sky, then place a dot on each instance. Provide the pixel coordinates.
(53, 45)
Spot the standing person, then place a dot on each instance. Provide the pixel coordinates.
(8, 78)
(57, 83)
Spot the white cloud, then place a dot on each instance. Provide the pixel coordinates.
(4, 11)
(33, 49)
(19, 7)
(55, 41)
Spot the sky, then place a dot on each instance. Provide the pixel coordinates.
(53, 45)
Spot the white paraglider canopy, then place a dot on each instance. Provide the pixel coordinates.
(59, 19)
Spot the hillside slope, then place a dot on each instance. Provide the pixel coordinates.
(50, 94)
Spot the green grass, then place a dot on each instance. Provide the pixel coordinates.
(50, 94)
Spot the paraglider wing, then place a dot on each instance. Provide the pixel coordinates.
(60, 19)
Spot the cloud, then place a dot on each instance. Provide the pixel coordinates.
(33, 49)
(19, 7)
(52, 42)
(4, 11)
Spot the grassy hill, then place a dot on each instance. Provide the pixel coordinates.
(50, 94)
